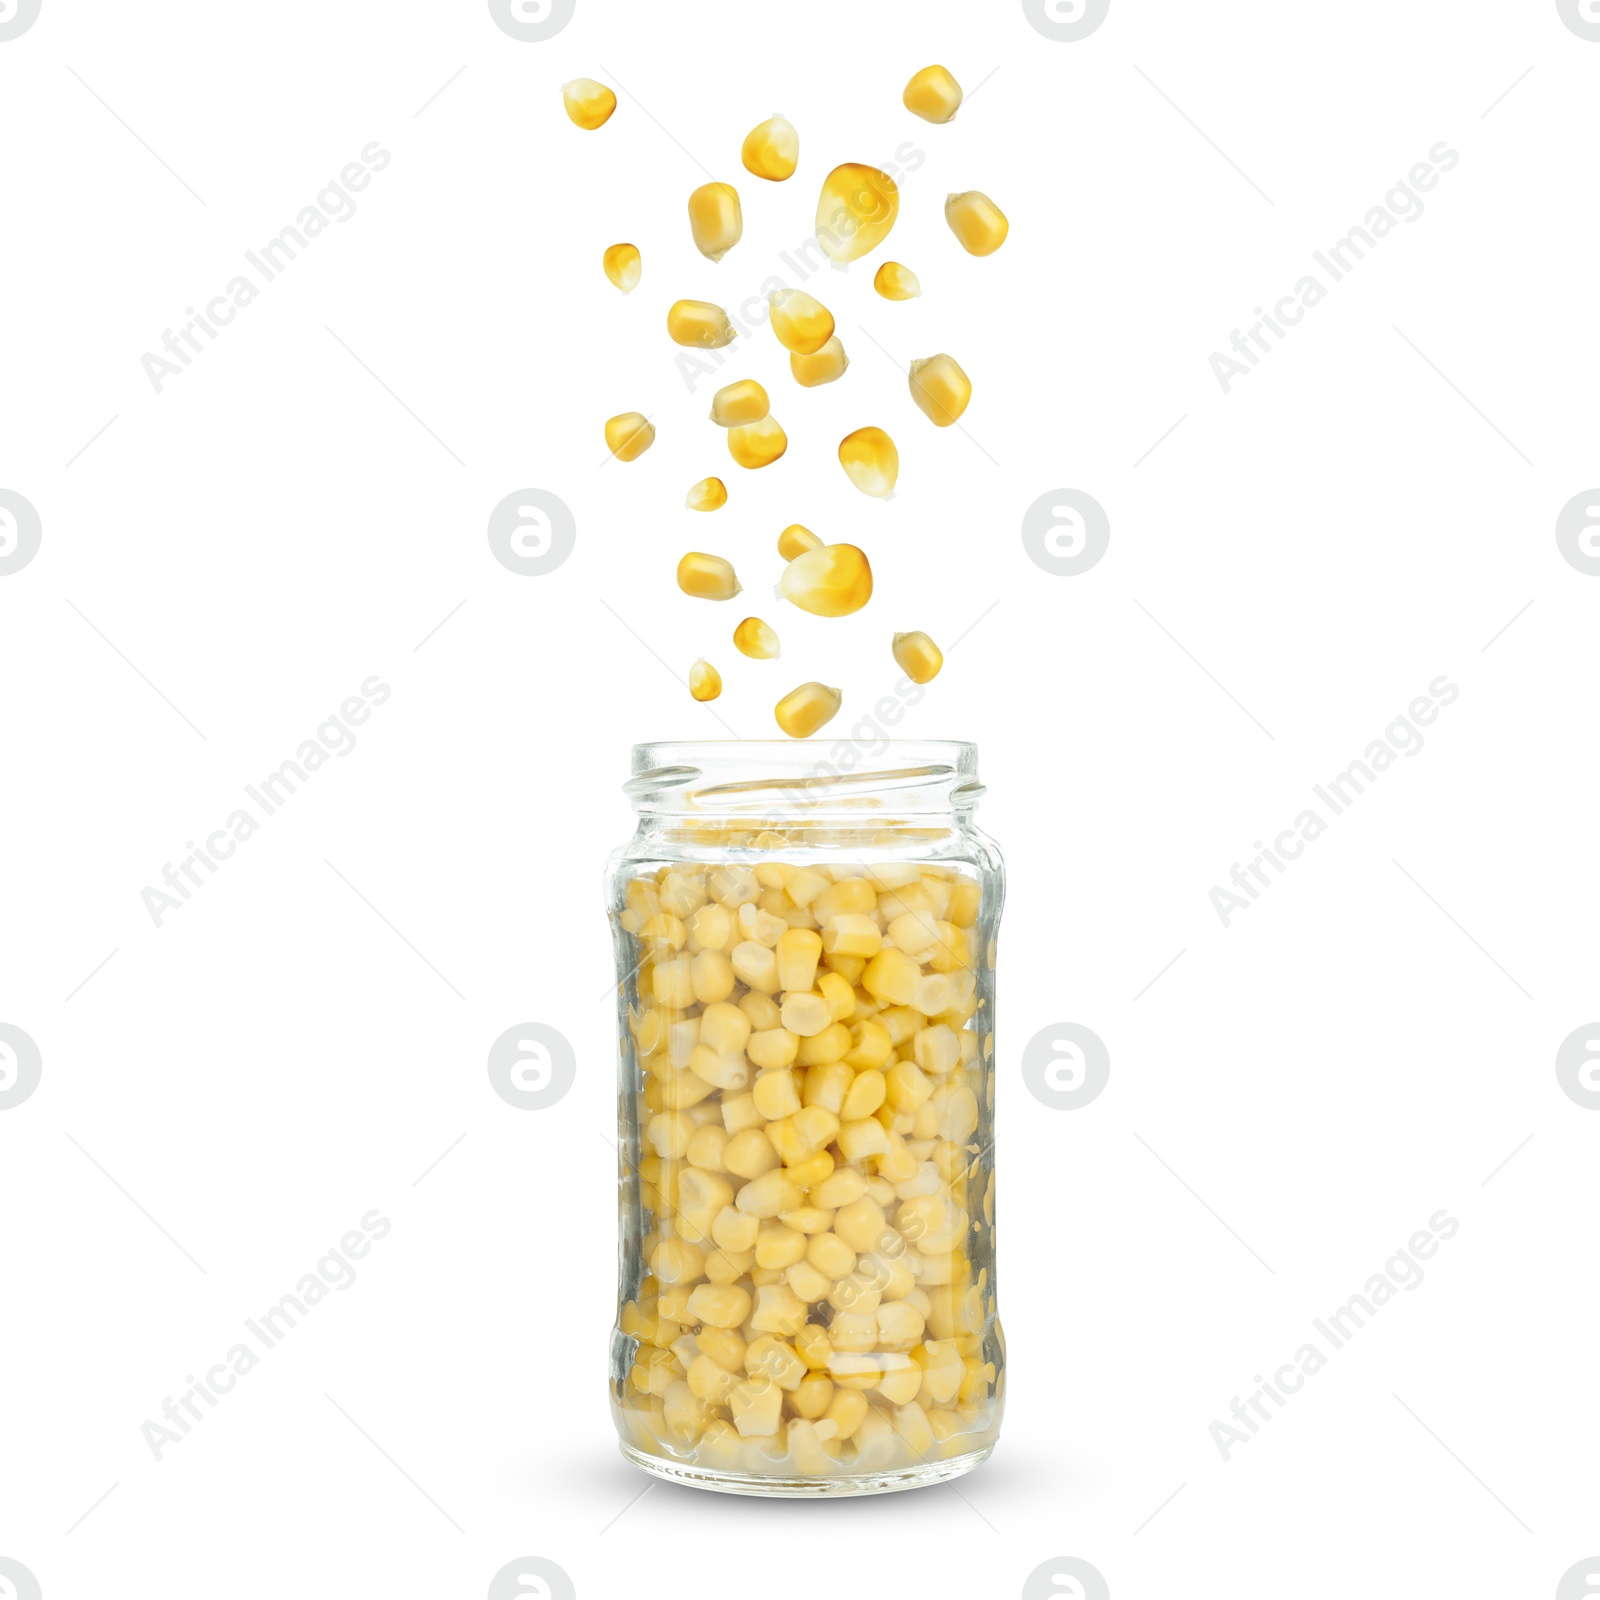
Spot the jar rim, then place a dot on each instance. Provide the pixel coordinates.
(790, 776)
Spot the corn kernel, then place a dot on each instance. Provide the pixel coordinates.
(933, 94)
(895, 282)
(588, 103)
(707, 577)
(623, 266)
(699, 323)
(855, 211)
(832, 1044)
(722, 1305)
(709, 494)
(735, 404)
(803, 325)
(778, 1310)
(705, 682)
(870, 461)
(833, 581)
(851, 933)
(715, 220)
(803, 711)
(629, 435)
(940, 388)
(918, 656)
(773, 1047)
(794, 541)
(755, 639)
(823, 366)
(799, 950)
(977, 222)
(757, 1406)
(892, 976)
(757, 444)
(806, 1014)
(771, 149)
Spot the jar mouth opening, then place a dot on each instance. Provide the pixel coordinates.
(795, 776)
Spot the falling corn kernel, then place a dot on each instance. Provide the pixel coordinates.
(802, 711)
(933, 94)
(940, 388)
(826, 365)
(919, 657)
(977, 222)
(739, 403)
(895, 282)
(623, 266)
(705, 682)
(588, 103)
(699, 323)
(803, 325)
(795, 540)
(771, 149)
(870, 461)
(710, 494)
(757, 444)
(856, 210)
(754, 638)
(832, 581)
(629, 435)
(714, 219)
(707, 577)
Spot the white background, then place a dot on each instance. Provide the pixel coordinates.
(1369, 509)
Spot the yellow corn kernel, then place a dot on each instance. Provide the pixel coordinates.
(715, 220)
(705, 682)
(895, 282)
(735, 404)
(855, 211)
(827, 1085)
(700, 324)
(629, 435)
(623, 266)
(841, 1188)
(918, 656)
(756, 965)
(802, 711)
(933, 94)
(755, 639)
(892, 976)
(940, 388)
(709, 494)
(757, 444)
(821, 367)
(806, 1014)
(588, 103)
(799, 950)
(832, 1044)
(794, 541)
(831, 582)
(772, 1048)
(851, 933)
(707, 577)
(721, 1305)
(870, 461)
(836, 990)
(803, 325)
(771, 149)
(847, 1410)
(977, 222)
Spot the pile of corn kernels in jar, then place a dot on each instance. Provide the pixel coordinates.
(855, 213)
(812, 1046)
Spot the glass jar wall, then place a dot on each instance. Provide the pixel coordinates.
(806, 1262)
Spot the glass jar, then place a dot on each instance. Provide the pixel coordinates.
(805, 1118)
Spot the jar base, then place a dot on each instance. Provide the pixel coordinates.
(801, 1488)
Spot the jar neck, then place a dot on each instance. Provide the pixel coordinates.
(792, 786)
